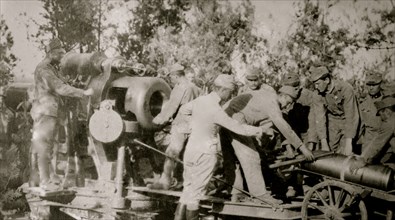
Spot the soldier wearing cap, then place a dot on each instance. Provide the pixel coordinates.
(259, 108)
(200, 156)
(254, 82)
(342, 109)
(183, 92)
(370, 122)
(47, 104)
(381, 148)
(307, 102)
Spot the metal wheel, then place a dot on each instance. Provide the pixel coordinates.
(333, 200)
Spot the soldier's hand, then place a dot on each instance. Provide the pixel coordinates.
(158, 120)
(307, 153)
(357, 164)
(88, 92)
(149, 70)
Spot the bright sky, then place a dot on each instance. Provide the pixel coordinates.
(273, 18)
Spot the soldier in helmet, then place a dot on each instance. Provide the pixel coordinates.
(341, 107)
(370, 122)
(47, 103)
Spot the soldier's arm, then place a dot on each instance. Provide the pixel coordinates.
(276, 117)
(171, 106)
(377, 144)
(223, 120)
(57, 85)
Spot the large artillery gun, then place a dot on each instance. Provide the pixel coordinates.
(121, 109)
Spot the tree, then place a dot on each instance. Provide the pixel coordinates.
(7, 58)
(77, 23)
(148, 15)
(211, 33)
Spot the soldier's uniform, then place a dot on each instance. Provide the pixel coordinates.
(383, 140)
(316, 118)
(257, 108)
(253, 77)
(48, 90)
(342, 110)
(202, 148)
(7, 125)
(370, 122)
(181, 94)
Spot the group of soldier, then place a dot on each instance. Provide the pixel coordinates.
(208, 125)
(239, 122)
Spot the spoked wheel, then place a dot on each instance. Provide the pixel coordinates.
(333, 200)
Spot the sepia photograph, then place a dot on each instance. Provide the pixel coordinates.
(197, 109)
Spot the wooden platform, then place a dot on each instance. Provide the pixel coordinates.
(225, 207)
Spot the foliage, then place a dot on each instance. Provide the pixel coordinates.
(212, 33)
(7, 58)
(77, 23)
(148, 15)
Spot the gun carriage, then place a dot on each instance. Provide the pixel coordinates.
(121, 110)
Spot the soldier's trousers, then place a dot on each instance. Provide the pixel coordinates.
(250, 162)
(198, 170)
(336, 138)
(44, 132)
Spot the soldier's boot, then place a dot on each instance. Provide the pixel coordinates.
(192, 214)
(165, 180)
(180, 213)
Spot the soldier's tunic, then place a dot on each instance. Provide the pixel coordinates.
(201, 150)
(181, 94)
(48, 90)
(343, 116)
(316, 119)
(370, 122)
(382, 142)
(257, 108)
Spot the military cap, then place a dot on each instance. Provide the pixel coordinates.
(176, 67)
(290, 90)
(318, 73)
(373, 78)
(291, 79)
(253, 74)
(53, 45)
(384, 103)
(225, 81)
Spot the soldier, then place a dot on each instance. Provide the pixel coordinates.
(261, 108)
(183, 92)
(341, 107)
(46, 107)
(7, 125)
(307, 102)
(253, 82)
(381, 148)
(201, 151)
(370, 122)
